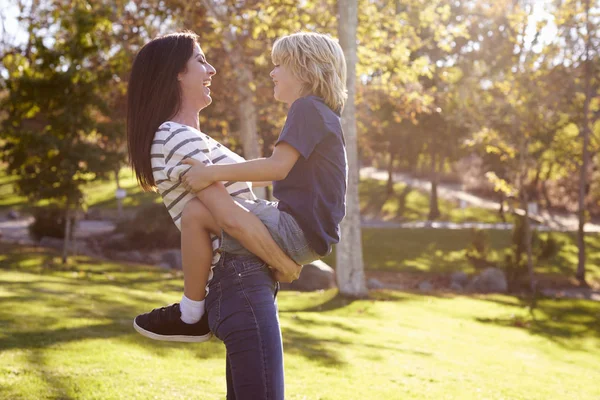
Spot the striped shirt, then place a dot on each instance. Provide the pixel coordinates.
(173, 143)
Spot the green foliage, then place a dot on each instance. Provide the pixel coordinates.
(151, 228)
(51, 135)
(50, 221)
(477, 252)
(515, 258)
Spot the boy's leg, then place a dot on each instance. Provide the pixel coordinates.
(282, 227)
(197, 224)
(183, 321)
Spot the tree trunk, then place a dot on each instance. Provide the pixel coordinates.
(501, 209)
(248, 125)
(390, 181)
(528, 249)
(527, 226)
(349, 258)
(434, 209)
(244, 78)
(547, 200)
(65, 253)
(585, 157)
(119, 199)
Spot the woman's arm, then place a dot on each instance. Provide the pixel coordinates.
(274, 168)
(248, 230)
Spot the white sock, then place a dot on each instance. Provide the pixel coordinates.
(191, 310)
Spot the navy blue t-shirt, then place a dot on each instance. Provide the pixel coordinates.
(314, 192)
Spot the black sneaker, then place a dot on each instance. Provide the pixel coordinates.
(165, 324)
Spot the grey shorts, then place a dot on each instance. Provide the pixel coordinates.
(283, 228)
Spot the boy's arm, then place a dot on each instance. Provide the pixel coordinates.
(249, 231)
(239, 223)
(274, 168)
(262, 184)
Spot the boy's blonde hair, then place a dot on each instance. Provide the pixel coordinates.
(318, 62)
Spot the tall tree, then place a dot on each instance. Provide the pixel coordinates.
(54, 105)
(585, 132)
(578, 45)
(515, 109)
(349, 255)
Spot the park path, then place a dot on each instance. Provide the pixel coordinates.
(454, 192)
(16, 230)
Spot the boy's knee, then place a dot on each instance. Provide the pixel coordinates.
(230, 223)
(194, 210)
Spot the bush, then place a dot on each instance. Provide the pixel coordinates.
(50, 222)
(151, 228)
(515, 258)
(477, 252)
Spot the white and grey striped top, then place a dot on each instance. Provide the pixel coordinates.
(173, 143)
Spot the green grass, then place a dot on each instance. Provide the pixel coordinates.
(8, 198)
(407, 250)
(407, 204)
(374, 200)
(442, 251)
(65, 333)
(99, 194)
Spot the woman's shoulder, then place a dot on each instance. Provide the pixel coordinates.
(171, 126)
(174, 132)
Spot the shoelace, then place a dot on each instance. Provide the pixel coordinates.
(163, 314)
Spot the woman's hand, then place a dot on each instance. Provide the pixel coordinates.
(196, 178)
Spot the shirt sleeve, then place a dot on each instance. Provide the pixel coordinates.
(180, 145)
(304, 128)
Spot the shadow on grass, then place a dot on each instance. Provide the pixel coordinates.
(323, 349)
(330, 303)
(58, 384)
(563, 321)
(376, 202)
(42, 261)
(108, 319)
(41, 307)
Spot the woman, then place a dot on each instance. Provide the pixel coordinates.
(167, 89)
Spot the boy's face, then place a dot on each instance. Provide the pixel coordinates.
(287, 87)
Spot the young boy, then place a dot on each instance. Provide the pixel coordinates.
(308, 165)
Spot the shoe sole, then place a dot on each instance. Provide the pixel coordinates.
(171, 338)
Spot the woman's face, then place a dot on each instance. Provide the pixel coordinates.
(195, 80)
(287, 87)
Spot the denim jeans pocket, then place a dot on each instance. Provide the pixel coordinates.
(251, 266)
(213, 305)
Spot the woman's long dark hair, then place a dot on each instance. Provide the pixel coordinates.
(154, 96)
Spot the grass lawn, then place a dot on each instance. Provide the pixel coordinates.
(408, 204)
(442, 251)
(8, 199)
(374, 201)
(65, 333)
(97, 194)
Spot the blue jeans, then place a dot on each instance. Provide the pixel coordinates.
(242, 312)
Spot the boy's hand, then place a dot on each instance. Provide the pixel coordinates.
(197, 177)
(286, 277)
